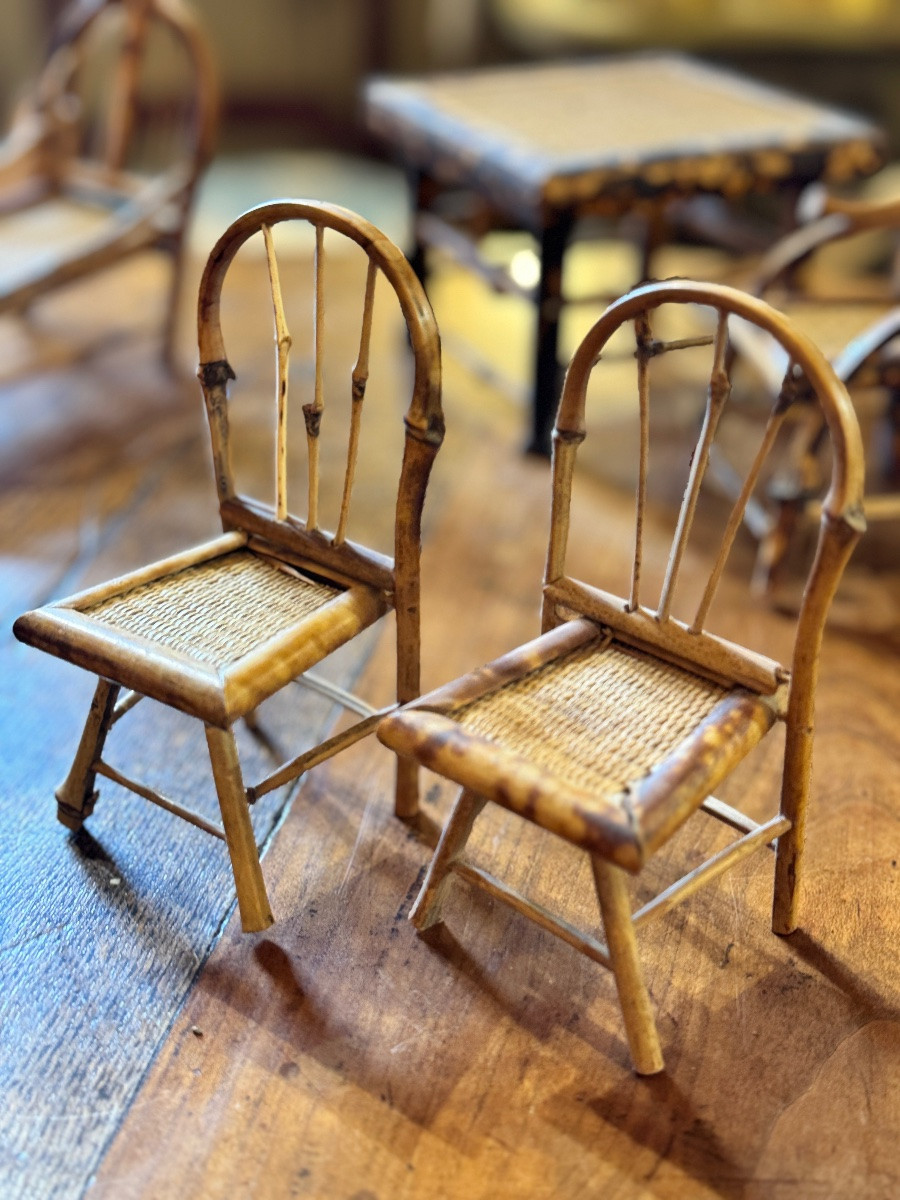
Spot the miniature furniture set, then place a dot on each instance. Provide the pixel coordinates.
(541, 147)
(110, 156)
(629, 711)
(610, 729)
(216, 630)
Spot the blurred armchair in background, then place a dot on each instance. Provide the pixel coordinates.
(105, 152)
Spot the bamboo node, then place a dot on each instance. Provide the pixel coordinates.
(719, 387)
(852, 521)
(213, 374)
(794, 388)
(313, 418)
(432, 431)
(571, 437)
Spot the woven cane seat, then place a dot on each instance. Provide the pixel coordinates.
(597, 718)
(184, 611)
(211, 637)
(588, 735)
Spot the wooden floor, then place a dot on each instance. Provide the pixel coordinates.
(340, 1055)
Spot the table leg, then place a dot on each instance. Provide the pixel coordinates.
(892, 466)
(655, 234)
(553, 241)
(422, 192)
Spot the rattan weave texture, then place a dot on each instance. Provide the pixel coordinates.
(665, 97)
(187, 612)
(598, 719)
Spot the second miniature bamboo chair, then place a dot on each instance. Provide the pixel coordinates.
(621, 719)
(108, 148)
(216, 630)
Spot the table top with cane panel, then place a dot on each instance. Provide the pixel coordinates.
(597, 135)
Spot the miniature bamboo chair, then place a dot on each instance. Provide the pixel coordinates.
(855, 320)
(216, 630)
(113, 155)
(620, 719)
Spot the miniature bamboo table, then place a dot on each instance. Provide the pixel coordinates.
(540, 147)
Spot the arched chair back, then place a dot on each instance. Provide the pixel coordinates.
(273, 519)
(655, 615)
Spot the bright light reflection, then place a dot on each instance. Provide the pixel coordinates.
(525, 268)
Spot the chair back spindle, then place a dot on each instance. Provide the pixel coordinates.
(643, 353)
(283, 354)
(359, 379)
(716, 398)
(786, 398)
(312, 413)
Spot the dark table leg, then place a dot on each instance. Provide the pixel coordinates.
(422, 190)
(547, 374)
(656, 233)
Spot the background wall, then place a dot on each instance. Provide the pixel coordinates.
(292, 69)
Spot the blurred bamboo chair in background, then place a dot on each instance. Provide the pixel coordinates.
(106, 151)
(216, 630)
(620, 720)
(837, 277)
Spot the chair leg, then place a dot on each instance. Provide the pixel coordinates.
(788, 861)
(427, 909)
(790, 846)
(75, 796)
(406, 797)
(640, 1026)
(554, 239)
(253, 901)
